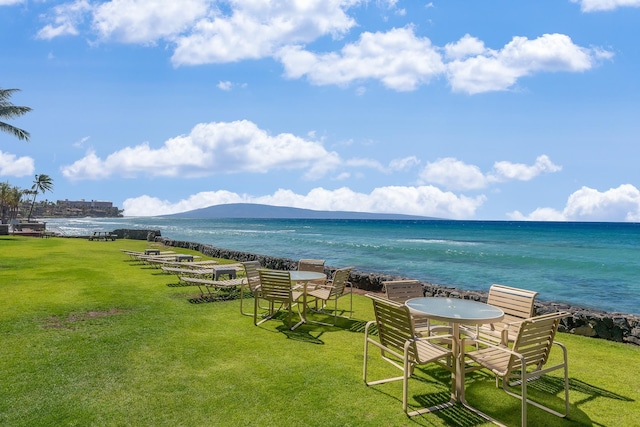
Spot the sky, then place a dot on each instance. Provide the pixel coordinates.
(470, 110)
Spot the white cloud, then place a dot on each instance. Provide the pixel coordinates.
(465, 47)
(256, 29)
(422, 200)
(206, 32)
(225, 85)
(621, 204)
(150, 206)
(499, 70)
(506, 171)
(399, 59)
(66, 19)
(366, 163)
(454, 174)
(80, 143)
(404, 163)
(601, 5)
(10, 2)
(211, 148)
(146, 21)
(11, 165)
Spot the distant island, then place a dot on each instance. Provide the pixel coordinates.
(259, 211)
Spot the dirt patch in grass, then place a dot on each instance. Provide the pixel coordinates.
(73, 320)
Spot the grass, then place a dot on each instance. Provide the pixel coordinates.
(90, 338)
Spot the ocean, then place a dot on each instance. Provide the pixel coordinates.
(592, 265)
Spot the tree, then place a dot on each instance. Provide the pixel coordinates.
(9, 201)
(10, 111)
(41, 184)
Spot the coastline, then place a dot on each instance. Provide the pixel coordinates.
(593, 266)
(612, 326)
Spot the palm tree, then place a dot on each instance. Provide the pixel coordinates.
(41, 184)
(10, 111)
(13, 201)
(9, 201)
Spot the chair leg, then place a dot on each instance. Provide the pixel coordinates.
(241, 298)
(255, 312)
(256, 297)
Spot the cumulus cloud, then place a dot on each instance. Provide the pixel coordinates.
(397, 58)
(217, 147)
(151, 206)
(10, 2)
(455, 174)
(404, 163)
(476, 70)
(621, 204)
(602, 5)
(253, 30)
(207, 32)
(11, 165)
(402, 61)
(225, 85)
(65, 20)
(420, 200)
(144, 21)
(507, 171)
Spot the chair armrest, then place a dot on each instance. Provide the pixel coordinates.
(479, 342)
(447, 337)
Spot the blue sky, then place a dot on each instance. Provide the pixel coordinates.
(454, 109)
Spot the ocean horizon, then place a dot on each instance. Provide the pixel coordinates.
(585, 264)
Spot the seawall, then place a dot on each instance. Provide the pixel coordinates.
(618, 327)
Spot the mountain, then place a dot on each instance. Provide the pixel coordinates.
(257, 211)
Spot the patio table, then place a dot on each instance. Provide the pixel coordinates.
(456, 311)
(306, 278)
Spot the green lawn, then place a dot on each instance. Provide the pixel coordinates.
(90, 338)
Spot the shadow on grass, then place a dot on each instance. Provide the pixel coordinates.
(214, 297)
(546, 389)
(435, 380)
(555, 385)
(455, 415)
(301, 333)
(179, 285)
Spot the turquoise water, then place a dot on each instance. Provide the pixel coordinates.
(593, 265)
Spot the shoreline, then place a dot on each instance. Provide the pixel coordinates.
(593, 323)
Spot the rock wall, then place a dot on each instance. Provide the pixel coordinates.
(148, 235)
(618, 327)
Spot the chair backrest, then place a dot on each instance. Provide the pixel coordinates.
(275, 285)
(393, 321)
(517, 304)
(253, 277)
(534, 340)
(340, 280)
(316, 265)
(402, 290)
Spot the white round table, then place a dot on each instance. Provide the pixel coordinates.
(301, 276)
(456, 311)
